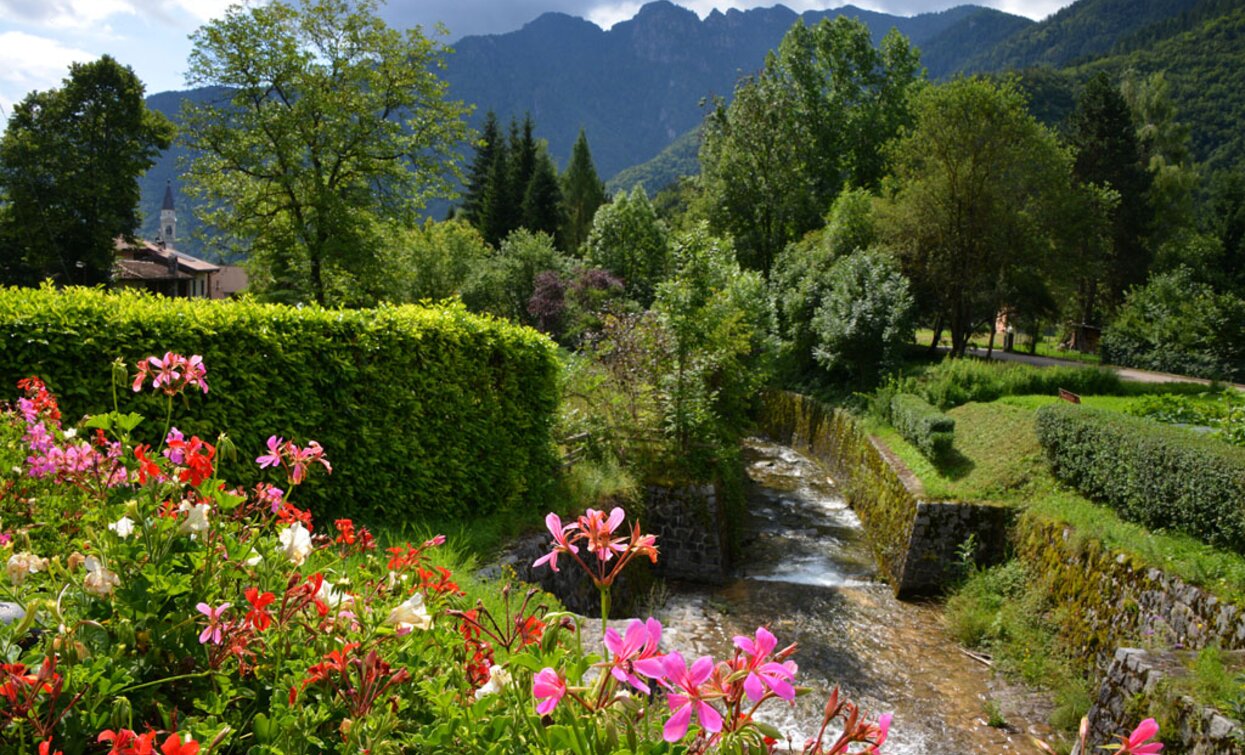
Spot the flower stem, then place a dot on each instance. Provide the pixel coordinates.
(605, 609)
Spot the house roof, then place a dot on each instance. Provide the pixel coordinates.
(148, 271)
(146, 251)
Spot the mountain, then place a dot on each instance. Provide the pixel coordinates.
(638, 86)
(1204, 66)
(1079, 31)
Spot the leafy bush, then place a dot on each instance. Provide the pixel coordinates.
(630, 241)
(432, 412)
(922, 425)
(1178, 324)
(958, 381)
(1163, 477)
(865, 317)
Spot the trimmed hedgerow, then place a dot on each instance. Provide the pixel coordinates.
(424, 411)
(1161, 476)
(954, 382)
(922, 425)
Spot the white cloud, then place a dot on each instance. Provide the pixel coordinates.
(28, 61)
(606, 16)
(66, 14)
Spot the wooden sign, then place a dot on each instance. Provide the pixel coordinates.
(1069, 396)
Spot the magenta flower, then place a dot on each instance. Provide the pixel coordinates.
(765, 674)
(171, 373)
(214, 626)
(550, 687)
(560, 542)
(684, 693)
(273, 457)
(598, 530)
(639, 644)
(1136, 744)
(884, 728)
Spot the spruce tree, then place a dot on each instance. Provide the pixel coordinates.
(583, 193)
(496, 218)
(1104, 138)
(522, 165)
(542, 202)
(481, 170)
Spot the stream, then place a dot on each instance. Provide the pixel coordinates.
(807, 573)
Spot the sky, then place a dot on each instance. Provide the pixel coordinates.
(40, 38)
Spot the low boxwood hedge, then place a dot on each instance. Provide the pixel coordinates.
(424, 411)
(922, 425)
(1159, 475)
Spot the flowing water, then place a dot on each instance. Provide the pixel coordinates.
(807, 573)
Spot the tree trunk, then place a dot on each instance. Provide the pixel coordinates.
(990, 346)
(933, 344)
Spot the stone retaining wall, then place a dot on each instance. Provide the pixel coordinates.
(1133, 688)
(1109, 599)
(915, 541)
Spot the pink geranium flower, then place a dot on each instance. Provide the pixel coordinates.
(684, 693)
(764, 673)
(214, 626)
(549, 687)
(884, 729)
(598, 530)
(560, 542)
(640, 643)
(1137, 744)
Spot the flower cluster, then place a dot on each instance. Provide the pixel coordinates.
(293, 459)
(171, 374)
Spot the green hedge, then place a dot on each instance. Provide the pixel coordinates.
(424, 412)
(954, 382)
(1163, 477)
(922, 425)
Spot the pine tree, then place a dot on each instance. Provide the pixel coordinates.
(1102, 134)
(481, 170)
(583, 193)
(542, 202)
(495, 219)
(522, 164)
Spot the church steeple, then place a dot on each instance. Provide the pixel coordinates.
(168, 217)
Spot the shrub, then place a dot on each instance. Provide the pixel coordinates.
(1160, 476)
(432, 412)
(1178, 324)
(922, 425)
(958, 381)
(864, 319)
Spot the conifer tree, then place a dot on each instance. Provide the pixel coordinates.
(481, 170)
(583, 193)
(542, 202)
(495, 220)
(522, 165)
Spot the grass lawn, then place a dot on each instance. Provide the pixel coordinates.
(997, 459)
(982, 340)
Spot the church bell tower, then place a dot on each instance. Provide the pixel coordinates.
(168, 217)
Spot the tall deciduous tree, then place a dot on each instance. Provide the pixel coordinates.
(812, 122)
(630, 241)
(583, 192)
(975, 200)
(69, 167)
(330, 123)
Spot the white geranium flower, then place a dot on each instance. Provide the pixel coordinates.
(254, 558)
(22, 565)
(71, 433)
(498, 678)
(296, 542)
(196, 522)
(333, 597)
(124, 527)
(410, 615)
(99, 582)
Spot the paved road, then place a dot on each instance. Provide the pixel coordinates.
(1126, 373)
